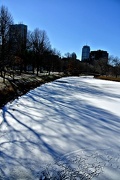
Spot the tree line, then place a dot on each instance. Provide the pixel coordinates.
(38, 56)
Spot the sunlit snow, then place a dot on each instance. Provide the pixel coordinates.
(68, 116)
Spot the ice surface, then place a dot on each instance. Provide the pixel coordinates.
(70, 117)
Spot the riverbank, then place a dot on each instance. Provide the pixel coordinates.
(109, 78)
(11, 89)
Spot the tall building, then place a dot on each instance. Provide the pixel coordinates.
(17, 37)
(99, 54)
(85, 52)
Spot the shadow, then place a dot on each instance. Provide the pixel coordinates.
(53, 121)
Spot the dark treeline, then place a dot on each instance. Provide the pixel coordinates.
(37, 56)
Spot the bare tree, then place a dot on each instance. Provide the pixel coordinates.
(115, 63)
(67, 55)
(39, 44)
(6, 20)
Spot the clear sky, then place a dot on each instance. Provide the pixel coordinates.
(70, 24)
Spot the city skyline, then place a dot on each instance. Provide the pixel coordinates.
(71, 25)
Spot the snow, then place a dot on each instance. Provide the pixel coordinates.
(68, 117)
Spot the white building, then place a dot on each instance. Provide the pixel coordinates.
(85, 52)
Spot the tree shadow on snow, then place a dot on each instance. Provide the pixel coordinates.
(51, 122)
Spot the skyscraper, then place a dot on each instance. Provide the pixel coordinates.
(17, 37)
(85, 52)
(99, 54)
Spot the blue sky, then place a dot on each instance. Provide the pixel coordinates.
(70, 24)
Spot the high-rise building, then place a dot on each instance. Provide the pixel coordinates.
(85, 52)
(17, 37)
(99, 54)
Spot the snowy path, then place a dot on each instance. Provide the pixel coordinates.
(69, 115)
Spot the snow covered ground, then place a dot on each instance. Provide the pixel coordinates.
(72, 116)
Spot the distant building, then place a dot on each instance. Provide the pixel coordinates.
(99, 54)
(85, 52)
(17, 37)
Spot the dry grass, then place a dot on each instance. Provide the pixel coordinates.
(110, 78)
(6, 94)
(11, 89)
